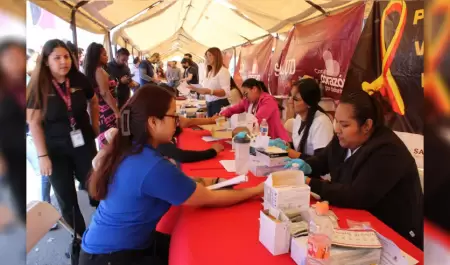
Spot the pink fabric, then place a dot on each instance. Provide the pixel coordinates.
(267, 108)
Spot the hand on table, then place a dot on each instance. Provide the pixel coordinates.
(217, 147)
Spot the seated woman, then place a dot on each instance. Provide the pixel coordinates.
(260, 103)
(370, 167)
(171, 149)
(312, 129)
(137, 186)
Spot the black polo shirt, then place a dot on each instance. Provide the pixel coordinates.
(194, 71)
(56, 122)
(118, 71)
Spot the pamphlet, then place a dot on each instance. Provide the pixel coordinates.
(230, 182)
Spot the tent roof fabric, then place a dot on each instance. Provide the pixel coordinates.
(179, 26)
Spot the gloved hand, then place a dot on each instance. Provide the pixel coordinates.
(241, 135)
(303, 166)
(278, 143)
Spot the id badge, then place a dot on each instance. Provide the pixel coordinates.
(77, 138)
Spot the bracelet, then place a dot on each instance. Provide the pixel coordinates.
(42, 156)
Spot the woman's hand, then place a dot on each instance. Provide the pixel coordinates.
(302, 165)
(217, 147)
(45, 164)
(278, 143)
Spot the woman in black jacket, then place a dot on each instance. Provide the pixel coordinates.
(370, 167)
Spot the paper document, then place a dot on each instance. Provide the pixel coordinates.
(183, 88)
(229, 165)
(355, 238)
(209, 139)
(392, 254)
(231, 182)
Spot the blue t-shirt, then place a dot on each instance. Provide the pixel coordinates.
(142, 190)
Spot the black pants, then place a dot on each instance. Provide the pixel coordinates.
(214, 107)
(68, 162)
(123, 94)
(157, 254)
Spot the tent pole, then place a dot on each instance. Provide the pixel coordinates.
(73, 25)
(110, 45)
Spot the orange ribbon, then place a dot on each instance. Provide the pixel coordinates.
(435, 86)
(385, 83)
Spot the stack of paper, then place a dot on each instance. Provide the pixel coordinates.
(183, 88)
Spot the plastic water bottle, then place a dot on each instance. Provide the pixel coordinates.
(264, 128)
(319, 236)
(183, 111)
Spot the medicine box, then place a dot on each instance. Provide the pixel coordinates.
(287, 190)
(338, 255)
(271, 158)
(273, 232)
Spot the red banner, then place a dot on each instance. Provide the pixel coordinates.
(321, 48)
(274, 64)
(253, 61)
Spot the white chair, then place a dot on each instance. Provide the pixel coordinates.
(288, 125)
(329, 106)
(41, 216)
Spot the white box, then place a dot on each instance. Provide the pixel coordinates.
(274, 235)
(338, 255)
(271, 159)
(287, 190)
(261, 170)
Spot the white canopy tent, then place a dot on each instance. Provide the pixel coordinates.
(173, 27)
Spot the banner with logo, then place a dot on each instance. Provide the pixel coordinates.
(321, 48)
(388, 63)
(274, 65)
(253, 61)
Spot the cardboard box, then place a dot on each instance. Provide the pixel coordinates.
(274, 233)
(287, 190)
(271, 159)
(338, 255)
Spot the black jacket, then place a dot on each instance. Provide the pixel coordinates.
(381, 177)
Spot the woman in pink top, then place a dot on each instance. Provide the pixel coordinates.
(260, 103)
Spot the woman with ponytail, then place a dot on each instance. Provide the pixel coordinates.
(257, 101)
(370, 167)
(312, 128)
(136, 185)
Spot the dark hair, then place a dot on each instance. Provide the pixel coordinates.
(41, 79)
(309, 90)
(188, 55)
(364, 107)
(5, 47)
(218, 60)
(136, 60)
(252, 82)
(186, 60)
(149, 100)
(168, 88)
(123, 51)
(92, 60)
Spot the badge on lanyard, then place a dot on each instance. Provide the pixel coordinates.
(76, 135)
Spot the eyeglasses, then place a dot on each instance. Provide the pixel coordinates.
(176, 117)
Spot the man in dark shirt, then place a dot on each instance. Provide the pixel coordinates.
(189, 56)
(190, 72)
(147, 71)
(119, 69)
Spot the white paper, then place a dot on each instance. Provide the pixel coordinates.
(229, 165)
(209, 139)
(183, 88)
(229, 182)
(356, 238)
(392, 254)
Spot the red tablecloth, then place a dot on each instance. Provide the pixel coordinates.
(205, 236)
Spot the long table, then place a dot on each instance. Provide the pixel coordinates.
(230, 235)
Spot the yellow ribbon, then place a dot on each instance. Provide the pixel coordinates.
(385, 83)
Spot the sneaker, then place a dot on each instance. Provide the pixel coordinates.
(54, 227)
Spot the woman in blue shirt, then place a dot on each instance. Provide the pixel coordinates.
(137, 185)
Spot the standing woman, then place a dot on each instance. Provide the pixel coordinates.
(60, 125)
(104, 86)
(216, 86)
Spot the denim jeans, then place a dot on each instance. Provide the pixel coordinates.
(32, 157)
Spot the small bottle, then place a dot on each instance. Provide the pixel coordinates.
(264, 128)
(183, 112)
(319, 236)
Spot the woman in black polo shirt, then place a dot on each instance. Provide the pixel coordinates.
(60, 125)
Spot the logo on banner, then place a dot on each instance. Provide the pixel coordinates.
(285, 70)
(331, 77)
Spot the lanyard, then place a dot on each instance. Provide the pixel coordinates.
(66, 98)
